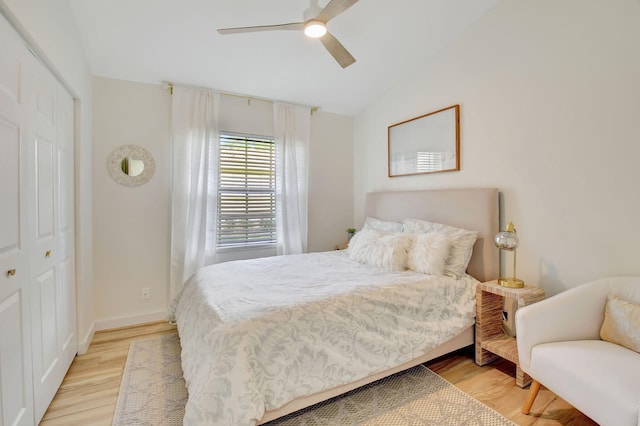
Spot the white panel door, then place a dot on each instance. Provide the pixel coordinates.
(52, 259)
(67, 337)
(16, 398)
(44, 291)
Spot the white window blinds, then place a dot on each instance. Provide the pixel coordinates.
(246, 191)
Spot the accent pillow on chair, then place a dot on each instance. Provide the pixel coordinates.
(621, 323)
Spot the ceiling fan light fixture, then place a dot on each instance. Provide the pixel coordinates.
(314, 25)
(315, 29)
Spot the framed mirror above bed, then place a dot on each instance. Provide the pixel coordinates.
(429, 143)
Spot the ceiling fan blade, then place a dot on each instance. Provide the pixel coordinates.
(292, 26)
(334, 8)
(337, 50)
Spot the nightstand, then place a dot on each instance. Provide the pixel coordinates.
(491, 341)
(342, 246)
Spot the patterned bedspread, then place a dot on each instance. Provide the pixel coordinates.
(256, 334)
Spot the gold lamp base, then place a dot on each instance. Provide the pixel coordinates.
(511, 282)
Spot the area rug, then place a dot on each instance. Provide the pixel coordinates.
(153, 393)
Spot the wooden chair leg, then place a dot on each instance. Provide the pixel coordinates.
(533, 392)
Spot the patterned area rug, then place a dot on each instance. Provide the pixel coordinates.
(153, 393)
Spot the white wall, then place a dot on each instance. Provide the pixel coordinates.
(131, 225)
(49, 28)
(330, 180)
(550, 99)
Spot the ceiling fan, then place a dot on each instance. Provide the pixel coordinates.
(314, 26)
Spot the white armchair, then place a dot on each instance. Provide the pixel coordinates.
(559, 346)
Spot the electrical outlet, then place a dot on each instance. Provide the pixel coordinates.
(146, 293)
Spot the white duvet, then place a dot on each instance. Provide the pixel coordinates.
(257, 334)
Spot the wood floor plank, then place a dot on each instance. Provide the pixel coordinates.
(89, 392)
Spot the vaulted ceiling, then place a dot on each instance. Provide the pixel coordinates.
(153, 41)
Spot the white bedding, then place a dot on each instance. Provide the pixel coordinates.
(257, 334)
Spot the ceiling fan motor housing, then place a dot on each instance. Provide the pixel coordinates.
(312, 11)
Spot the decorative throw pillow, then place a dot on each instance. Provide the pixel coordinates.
(382, 225)
(461, 241)
(380, 249)
(621, 323)
(428, 253)
(416, 226)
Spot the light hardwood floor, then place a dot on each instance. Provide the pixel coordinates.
(89, 392)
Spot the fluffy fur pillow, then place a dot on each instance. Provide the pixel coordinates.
(380, 249)
(461, 241)
(382, 225)
(621, 323)
(429, 253)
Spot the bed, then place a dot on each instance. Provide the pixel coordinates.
(292, 331)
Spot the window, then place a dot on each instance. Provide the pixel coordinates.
(246, 191)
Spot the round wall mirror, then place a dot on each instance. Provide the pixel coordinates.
(131, 165)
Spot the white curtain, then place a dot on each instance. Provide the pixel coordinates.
(292, 129)
(194, 183)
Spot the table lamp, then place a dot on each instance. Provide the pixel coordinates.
(508, 240)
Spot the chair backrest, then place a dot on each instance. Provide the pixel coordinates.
(625, 287)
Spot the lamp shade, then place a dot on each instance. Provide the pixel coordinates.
(507, 240)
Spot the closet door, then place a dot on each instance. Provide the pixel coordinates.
(65, 268)
(16, 400)
(52, 258)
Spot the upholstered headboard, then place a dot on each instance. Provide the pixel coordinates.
(474, 209)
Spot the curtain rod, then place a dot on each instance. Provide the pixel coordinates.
(170, 86)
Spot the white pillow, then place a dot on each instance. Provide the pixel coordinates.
(380, 249)
(621, 323)
(461, 241)
(382, 225)
(429, 253)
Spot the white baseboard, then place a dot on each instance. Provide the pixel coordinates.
(83, 345)
(109, 323)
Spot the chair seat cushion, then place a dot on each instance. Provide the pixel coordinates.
(599, 378)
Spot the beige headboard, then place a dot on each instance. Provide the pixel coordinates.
(475, 209)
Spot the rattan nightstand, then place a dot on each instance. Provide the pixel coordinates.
(491, 342)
